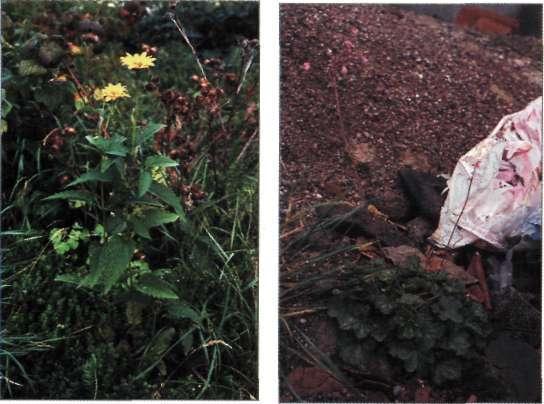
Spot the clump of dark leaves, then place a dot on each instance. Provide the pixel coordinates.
(417, 323)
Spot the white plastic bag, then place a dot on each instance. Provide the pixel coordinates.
(496, 186)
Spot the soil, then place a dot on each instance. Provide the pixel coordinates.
(365, 92)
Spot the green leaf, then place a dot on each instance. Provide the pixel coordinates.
(115, 224)
(400, 351)
(159, 161)
(448, 308)
(113, 146)
(71, 196)
(151, 218)
(167, 195)
(91, 176)
(93, 277)
(407, 332)
(459, 343)
(144, 182)
(153, 286)
(410, 363)
(54, 95)
(160, 344)
(29, 67)
(3, 126)
(410, 299)
(447, 370)
(380, 331)
(146, 134)
(106, 163)
(363, 330)
(384, 304)
(109, 262)
(181, 310)
(187, 343)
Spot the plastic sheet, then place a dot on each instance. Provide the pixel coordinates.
(495, 189)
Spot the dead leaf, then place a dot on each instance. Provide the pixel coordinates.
(435, 263)
(472, 399)
(501, 94)
(401, 255)
(416, 160)
(361, 153)
(312, 380)
(476, 269)
(422, 394)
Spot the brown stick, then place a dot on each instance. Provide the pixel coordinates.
(302, 312)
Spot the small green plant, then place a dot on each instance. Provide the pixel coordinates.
(417, 322)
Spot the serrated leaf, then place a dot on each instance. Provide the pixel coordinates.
(93, 277)
(29, 67)
(71, 196)
(108, 262)
(159, 161)
(153, 286)
(167, 195)
(151, 218)
(144, 182)
(91, 176)
(113, 146)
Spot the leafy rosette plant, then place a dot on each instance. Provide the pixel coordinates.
(409, 320)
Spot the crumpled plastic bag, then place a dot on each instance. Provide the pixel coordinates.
(496, 187)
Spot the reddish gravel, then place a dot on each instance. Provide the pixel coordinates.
(412, 91)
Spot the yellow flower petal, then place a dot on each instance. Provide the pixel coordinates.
(111, 92)
(138, 61)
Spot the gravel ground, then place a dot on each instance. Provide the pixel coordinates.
(411, 91)
(367, 90)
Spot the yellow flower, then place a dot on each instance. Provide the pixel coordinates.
(111, 92)
(159, 175)
(74, 49)
(138, 61)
